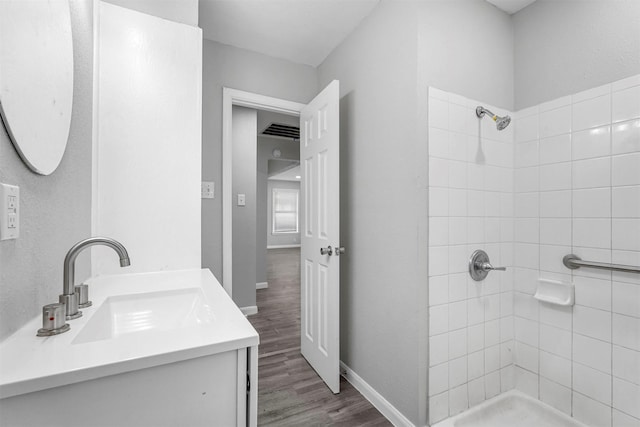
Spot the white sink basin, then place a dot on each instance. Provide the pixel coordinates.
(137, 321)
(153, 311)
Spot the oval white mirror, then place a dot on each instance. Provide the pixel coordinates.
(36, 79)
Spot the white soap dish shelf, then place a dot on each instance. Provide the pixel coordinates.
(555, 292)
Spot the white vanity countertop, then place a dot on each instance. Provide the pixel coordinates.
(29, 363)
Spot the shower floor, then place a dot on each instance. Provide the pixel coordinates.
(510, 409)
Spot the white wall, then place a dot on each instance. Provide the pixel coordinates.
(184, 11)
(470, 208)
(226, 66)
(55, 209)
(244, 181)
(577, 184)
(566, 46)
(147, 153)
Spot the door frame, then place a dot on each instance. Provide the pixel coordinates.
(231, 97)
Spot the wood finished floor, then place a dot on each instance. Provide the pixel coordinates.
(290, 393)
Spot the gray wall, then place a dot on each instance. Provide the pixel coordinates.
(289, 150)
(566, 46)
(248, 71)
(55, 209)
(466, 47)
(383, 207)
(279, 239)
(261, 215)
(384, 69)
(245, 139)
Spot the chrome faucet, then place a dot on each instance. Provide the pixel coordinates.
(69, 297)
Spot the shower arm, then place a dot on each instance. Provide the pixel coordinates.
(481, 111)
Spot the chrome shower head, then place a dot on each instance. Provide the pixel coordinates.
(501, 122)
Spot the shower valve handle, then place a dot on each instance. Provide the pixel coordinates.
(480, 266)
(486, 266)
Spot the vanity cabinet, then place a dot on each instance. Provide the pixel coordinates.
(132, 367)
(205, 391)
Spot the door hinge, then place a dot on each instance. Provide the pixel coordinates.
(248, 383)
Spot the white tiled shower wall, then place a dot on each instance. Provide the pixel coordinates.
(470, 207)
(567, 181)
(577, 190)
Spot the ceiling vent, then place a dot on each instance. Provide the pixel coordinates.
(282, 131)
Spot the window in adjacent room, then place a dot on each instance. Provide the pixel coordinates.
(285, 210)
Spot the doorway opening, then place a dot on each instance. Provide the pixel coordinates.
(319, 226)
(288, 383)
(231, 98)
(278, 191)
(273, 205)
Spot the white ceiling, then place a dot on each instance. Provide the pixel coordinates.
(511, 6)
(302, 31)
(265, 118)
(292, 174)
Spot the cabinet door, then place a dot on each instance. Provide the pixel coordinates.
(241, 388)
(252, 393)
(205, 391)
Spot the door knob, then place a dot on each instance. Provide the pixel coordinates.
(340, 250)
(326, 251)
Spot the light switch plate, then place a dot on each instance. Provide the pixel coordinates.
(241, 200)
(208, 189)
(9, 211)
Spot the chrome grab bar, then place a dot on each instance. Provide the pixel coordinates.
(573, 261)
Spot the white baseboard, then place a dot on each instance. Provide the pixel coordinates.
(394, 416)
(283, 246)
(262, 285)
(248, 311)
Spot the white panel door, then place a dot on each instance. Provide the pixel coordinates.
(320, 213)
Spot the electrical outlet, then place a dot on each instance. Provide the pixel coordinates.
(9, 212)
